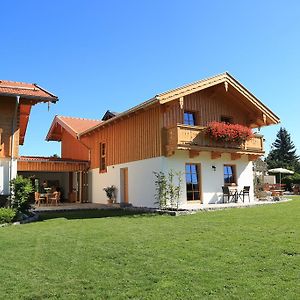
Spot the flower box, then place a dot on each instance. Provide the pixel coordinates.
(228, 133)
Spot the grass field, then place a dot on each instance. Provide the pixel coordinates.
(250, 253)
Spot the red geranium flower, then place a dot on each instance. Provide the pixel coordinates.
(225, 132)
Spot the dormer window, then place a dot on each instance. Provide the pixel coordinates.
(227, 119)
(189, 118)
(108, 115)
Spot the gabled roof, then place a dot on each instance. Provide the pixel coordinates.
(30, 94)
(224, 78)
(26, 90)
(73, 125)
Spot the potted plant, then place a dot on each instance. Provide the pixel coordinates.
(232, 133)
(110, 193)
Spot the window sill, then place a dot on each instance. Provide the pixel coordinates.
(193, 201)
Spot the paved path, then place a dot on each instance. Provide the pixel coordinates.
(213, 206)
(74, 206)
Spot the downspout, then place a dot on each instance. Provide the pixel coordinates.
(14, 124)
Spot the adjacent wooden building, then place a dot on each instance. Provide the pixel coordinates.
(16, 101)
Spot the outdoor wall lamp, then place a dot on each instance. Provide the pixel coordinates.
(214, 168)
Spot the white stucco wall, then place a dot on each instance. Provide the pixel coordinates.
(212, 181)
(141, 188)
(6, 166)
(141, 178)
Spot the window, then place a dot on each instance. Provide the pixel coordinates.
(189, 118)
(102, 156)
(229, 174)
(226, 119)
(192, 182)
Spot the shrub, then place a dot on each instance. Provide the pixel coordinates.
(7, 215)
(168, 189)
(291, 180)
(224, 132)
(21, 188)
(110, 192)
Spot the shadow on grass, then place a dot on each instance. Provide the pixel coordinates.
(91, 214)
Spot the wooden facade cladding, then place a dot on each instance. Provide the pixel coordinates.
(209, 105)
(71, 148)
(155, 127)
(48, 165)
(7, 113)
(194, 138)
(134, 137)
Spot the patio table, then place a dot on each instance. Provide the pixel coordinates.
(46, 196)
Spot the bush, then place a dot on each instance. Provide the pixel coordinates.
(21, 188)
(7, 215)
(168, 189)
(291, 180)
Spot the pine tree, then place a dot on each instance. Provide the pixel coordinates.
(283, 152)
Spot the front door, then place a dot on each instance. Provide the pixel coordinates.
(124, 185)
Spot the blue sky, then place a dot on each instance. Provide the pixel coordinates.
(99, 55)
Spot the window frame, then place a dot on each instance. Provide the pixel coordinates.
(199, 190)
(193, 113)
(234, 176)
(102, 157)
(229, 119)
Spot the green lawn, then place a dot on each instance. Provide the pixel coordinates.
(250, 253)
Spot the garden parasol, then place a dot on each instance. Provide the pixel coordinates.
(280, 171)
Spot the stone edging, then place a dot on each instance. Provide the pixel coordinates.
(27, 220)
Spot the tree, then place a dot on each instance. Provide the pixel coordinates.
(283, 152)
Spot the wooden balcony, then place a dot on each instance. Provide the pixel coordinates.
(194, 138)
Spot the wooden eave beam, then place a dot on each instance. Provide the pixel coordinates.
(235, 156)
(215, 155)
(170, 153)
(193, 153)
(253, 157)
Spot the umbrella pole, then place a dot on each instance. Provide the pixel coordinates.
(280, 180)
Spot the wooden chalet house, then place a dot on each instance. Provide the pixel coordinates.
(168, 132)
(16, 100)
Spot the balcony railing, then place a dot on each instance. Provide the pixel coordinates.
(191, 137)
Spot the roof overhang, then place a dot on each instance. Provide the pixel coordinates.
(228, 81)
(55, 131)
(224, 78)
(27, 95)
(25, 105)
(50, 164)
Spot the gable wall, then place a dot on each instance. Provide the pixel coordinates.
(135, 137)
(71, 148)
(209, 105)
